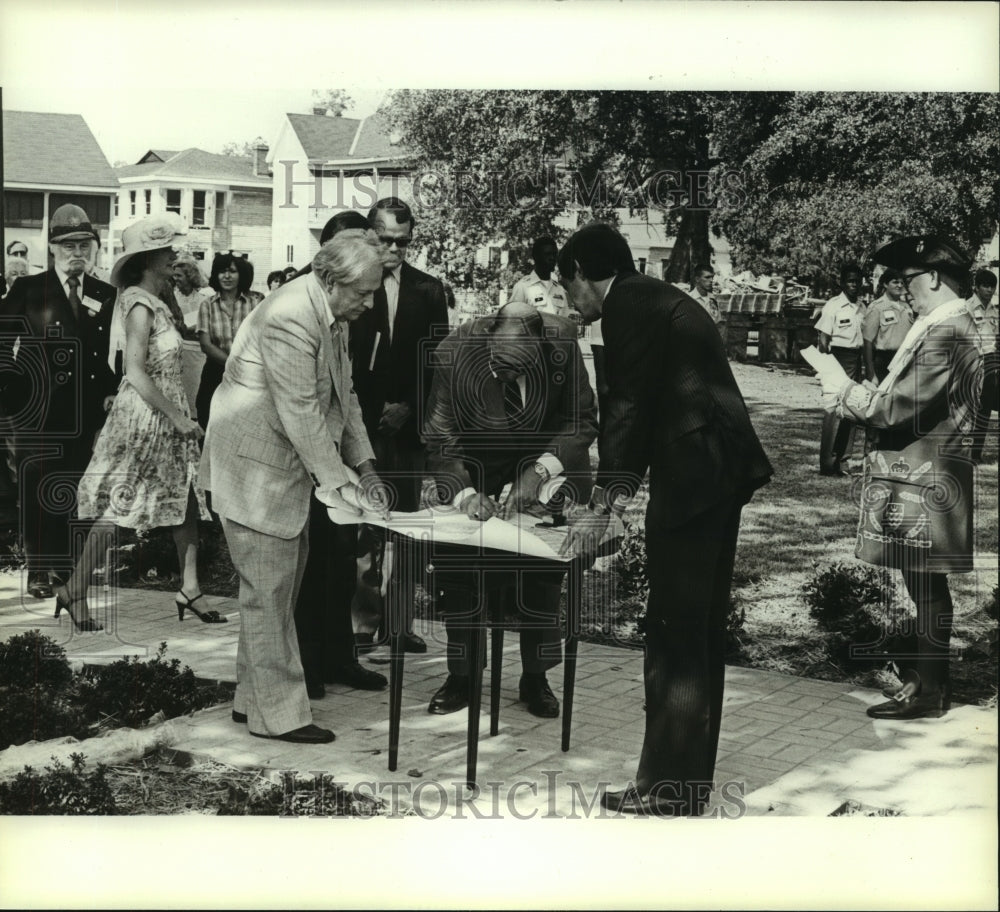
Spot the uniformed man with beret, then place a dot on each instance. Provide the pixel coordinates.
(839, 330)
(982, 307)
(57, 388)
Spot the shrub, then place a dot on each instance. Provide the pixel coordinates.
(129, 691)
(59, 790)
(855, 605)
(33, 660)
(37, 714)
(630, 564)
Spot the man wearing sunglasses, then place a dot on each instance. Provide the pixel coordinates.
(60, 390)
(392, 345)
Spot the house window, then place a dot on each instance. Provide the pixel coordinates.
(174, 201)
(116, 205)
(198, 207)
(149, 201)
(131, 202)
(220, 208)
(98, 208)
(642, 265)
(290, 253)
(494, 257)
(24, 209)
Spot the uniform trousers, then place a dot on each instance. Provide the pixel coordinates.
(270, 685)
(837, 437)
(690, 570)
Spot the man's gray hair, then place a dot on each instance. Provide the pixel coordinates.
(344, 258)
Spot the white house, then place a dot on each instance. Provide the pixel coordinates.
(323, 165)
(50, 160)
(225, 202)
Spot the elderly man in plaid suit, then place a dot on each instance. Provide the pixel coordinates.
(286, 419)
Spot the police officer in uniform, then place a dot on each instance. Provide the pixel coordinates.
(538, 287)
(885, 325)
(59, 390)
(839, 328)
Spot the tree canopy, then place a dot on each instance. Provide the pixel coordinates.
(797, 182)
(828, 177)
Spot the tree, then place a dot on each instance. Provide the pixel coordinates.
(509, 165)
(242, 149)
(830, 177)
(332, 102)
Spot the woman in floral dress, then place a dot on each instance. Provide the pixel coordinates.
(144, 470)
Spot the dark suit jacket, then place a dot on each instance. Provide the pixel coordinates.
(471, 442)
(673, 405)
(402, 371)
(60, 376)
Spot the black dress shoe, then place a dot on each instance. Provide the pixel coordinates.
(315, 691)
(357, 676)
(411, 642)
(308, 734)
(631, 802)
(364, 643)
(535, 691)
(452, 696)
(239, 717)
(833, 473)
(919, 706)
(39, 587)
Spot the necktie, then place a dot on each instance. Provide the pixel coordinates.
(512, 404)
(74, 298)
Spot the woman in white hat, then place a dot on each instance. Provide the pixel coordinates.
(143, 473)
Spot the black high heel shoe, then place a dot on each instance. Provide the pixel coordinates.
(206, 617)
(87, 625)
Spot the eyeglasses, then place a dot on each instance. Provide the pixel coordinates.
(76, 246)
(401, 242)
(906, 279)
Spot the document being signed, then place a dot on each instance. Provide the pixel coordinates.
(523, 534)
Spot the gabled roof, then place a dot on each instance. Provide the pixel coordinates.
(197, 164)
(53, 150)
(344, 139)
(156, 154)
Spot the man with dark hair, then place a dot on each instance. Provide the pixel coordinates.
(65, 324)
(983, 310)
(392, 347)
(511, 402)
(701, 290)
(839, 331)
(673, 407)
(538, 287)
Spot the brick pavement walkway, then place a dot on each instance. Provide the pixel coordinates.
(791, 746)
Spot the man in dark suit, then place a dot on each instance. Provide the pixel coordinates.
(510, 402)
(391, 348)
(60, 389)
(673, 407)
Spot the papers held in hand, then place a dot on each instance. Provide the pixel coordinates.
(831, 374)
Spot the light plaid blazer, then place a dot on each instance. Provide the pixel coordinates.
(285, 417)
